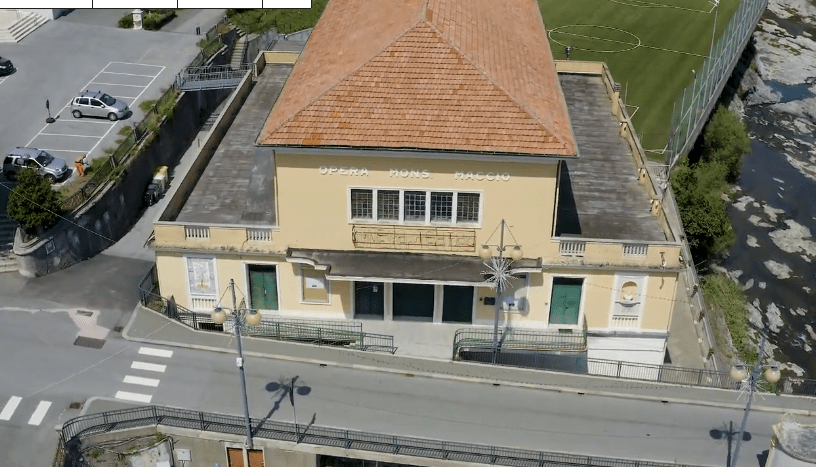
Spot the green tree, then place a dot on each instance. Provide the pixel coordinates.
(33, 203)
(726, 140)
(699, 191)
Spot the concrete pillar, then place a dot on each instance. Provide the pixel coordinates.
(137, 19)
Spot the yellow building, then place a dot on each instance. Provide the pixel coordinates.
(408, 134)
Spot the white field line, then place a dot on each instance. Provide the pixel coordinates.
(141, 381)
(133, 396)
(10, 407)
(155, 352)
(39, 413)
(117, 84)
(148, 367)
(137, 98)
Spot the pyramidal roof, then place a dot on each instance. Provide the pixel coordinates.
(467, 75)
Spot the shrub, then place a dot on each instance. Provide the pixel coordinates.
(723, 293)
(155, 19)
(147, 105)
(126, 22)
(33, 203)
(286, 20)
(726, 140)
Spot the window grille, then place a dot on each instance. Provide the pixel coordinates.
(414, 206)
(467, 207)
(388, 204)
(361, 204)
(441, 206)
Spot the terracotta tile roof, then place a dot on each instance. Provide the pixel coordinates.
(473, 75)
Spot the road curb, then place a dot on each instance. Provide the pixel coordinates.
(469, 379)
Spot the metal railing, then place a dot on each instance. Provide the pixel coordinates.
(478, 339)
(346, 334)
(689, 110)
(76, 429)
(215, 77)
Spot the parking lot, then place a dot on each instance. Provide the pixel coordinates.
(63, 58)
(70, 137)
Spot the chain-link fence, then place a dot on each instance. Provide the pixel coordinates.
(692, 108)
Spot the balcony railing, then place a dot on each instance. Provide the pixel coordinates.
(481, 339)
(259, 235)
(414, 238)
(196, 232)
(572, 248)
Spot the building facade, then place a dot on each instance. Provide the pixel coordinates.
(395, 150)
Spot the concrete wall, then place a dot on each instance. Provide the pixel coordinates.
(119, 205)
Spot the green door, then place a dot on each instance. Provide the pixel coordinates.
(566, 300)
(263, 287)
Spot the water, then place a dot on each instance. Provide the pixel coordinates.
(776, 203)
(791, 92)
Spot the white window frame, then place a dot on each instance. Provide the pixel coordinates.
(190, 295)
(427, 221)
(301, 280)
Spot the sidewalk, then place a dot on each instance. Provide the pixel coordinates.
(151, 327)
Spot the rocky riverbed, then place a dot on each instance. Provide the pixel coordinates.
(774, 257)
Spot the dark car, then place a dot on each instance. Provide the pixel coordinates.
(6, 67)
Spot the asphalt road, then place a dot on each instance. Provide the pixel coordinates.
(42, 364)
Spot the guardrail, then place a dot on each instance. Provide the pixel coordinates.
(518, 339)
(318, 332)
(76, 429)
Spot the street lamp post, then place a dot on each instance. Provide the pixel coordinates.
(242, 317)
(740, 373)
(500, 267)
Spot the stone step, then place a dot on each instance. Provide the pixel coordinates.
(24, 27)
(8, 261)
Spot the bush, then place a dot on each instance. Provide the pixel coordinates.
(724, 294)
(286, 20)
(126, 22)
(726, 140)
(155, 19)
(33, 203)
(147, 105)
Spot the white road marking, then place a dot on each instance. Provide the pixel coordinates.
(64, 134)
(148, 367)
(140, 64)
(141, 381)
(87, 120)
(63, 150)
(117, 84)
(39, 413)
(10, 407)
(128, 74)
(124, 97)
(133, 396)
(155, 352)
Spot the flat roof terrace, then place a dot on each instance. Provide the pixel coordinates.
(600, 196)
(238, 185)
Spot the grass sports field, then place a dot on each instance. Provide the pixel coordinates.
(651, 48)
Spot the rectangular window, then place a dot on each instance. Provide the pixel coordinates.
(414, 206)
(388, 205)
(361, 204)
(467, 207)
(441, 206)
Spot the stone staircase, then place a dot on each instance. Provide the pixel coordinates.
(238, 52)
(8, 262)
(16, 24)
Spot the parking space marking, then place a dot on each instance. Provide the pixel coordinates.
(3, 79)
(66, 134)
(128, 85)
(63, 150)
(129, 74)
(137, 64)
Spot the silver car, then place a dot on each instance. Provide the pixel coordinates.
(98, 104)
(42, 163)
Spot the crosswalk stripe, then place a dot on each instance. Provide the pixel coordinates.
(148, 367)
(141, 381)
(133, 396)
(10, 407)
(39, 413)
(156, 352)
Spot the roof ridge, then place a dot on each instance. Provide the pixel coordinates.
(331, 88)
(493, 81)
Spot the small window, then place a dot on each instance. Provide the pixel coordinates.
(441, 206)
(414, 206)
(361, 204)
(467, 207)
(83, 101)
(7, 160)
(388, 204)
(96, 103)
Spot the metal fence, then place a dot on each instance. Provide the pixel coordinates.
(519, 339)
(346, 334)
(211, 77)
(76, 429)
(690, 110)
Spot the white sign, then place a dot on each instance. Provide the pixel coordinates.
(482, 176)
(324, 170)
(405, 173)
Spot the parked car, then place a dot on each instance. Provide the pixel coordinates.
(98, 104)
(44, 164)
(6, 67)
